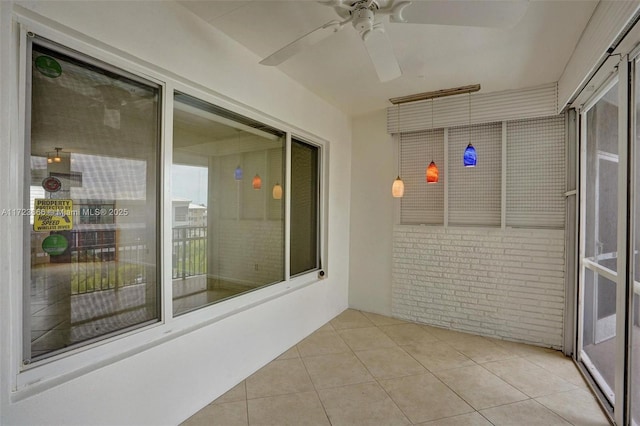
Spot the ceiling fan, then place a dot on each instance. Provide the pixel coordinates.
(368, 16)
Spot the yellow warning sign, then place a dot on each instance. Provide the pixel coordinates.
(52, 215)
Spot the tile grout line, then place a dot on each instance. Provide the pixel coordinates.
(515, 355)
(324, 408)
(406, 416)
(433, 373)
(377, 380)
(439, 340)
(246, 400)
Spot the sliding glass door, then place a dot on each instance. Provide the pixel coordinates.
(609, 287)
(600, 162)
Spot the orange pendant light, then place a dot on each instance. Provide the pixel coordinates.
(432, 173)
(257, 182)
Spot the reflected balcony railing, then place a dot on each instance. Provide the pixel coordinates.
(189, 251)
(99, 260)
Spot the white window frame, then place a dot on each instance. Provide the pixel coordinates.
(41, 375)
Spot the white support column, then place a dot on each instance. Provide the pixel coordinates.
(446, 177)
(582, 215)
(571, 231)
(503, 194)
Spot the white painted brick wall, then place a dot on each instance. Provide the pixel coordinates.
(507, 284)
(246, 243)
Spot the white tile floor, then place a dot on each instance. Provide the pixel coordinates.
(366, 369)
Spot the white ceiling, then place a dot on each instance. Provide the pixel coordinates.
(533, 52)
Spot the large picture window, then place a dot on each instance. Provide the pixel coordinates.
(228, 216)
(95, 181)
(94, 135)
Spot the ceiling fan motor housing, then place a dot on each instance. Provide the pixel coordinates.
(363, 17)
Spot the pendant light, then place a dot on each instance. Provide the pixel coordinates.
(257, 182)
(432, 170)
(237, 174)
(277, 192)
(469, 158)
(432, 173)
(397, 189)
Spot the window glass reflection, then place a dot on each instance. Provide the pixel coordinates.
(94, 149)
(228, 228)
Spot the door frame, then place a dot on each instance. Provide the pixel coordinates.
(620, 72)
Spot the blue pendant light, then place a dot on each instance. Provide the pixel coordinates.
(469, 158)
(238, 173)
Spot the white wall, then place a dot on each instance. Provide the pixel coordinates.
(166, 383)
(507, 284)
(372, 208)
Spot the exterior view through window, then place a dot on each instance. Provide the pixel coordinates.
(227, 204)
(92, 228)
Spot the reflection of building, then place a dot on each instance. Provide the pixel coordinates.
(185, 213)
(197, 215)
(180, 212)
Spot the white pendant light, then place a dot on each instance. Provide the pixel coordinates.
(397, 189)
(277, 192)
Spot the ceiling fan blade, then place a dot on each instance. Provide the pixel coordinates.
(302, 43)
(468, 13)
(381, 53)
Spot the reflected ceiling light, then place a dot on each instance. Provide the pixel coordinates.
(432, 173)
(277, 191)
(56, 158)
(238, 173)
(257, 182)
